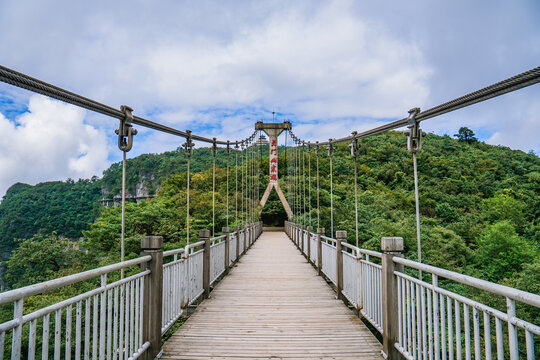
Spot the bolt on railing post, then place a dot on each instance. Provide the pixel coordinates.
(237, 232)
(341, 235)
(320, 232)
(226, 232)
(309, 231)
(391, 247)
(153, 294)
(204, 235)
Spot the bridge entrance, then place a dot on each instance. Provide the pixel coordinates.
(273, 130)
(273, 214)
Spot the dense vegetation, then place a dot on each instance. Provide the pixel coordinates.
(63, 207)
(479, 203)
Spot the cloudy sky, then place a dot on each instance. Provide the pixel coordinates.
(216, 67)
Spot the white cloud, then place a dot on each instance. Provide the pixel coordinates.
(332, 66)
(523, 135)
(327, 63)
(49, 142)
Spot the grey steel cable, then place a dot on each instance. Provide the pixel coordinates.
(304, 183)
(123, 231)
(330, 155)
(318, 191)
(214, 189)
(228, 153)
(309, 183)
(236, 185)
(417, 209)
(513, 83)
(27, 82)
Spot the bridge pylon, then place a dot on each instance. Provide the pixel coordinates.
(273, 130)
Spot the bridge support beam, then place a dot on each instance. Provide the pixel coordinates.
(391, 247)
(153, 293)
(341, 235)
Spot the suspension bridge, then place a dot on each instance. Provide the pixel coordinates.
(303, 292)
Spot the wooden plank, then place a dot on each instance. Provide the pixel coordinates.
(272, 305)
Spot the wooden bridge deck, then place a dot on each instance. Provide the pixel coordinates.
(272, 305)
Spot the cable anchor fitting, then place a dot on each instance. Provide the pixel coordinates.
(214, 147)
(188, 145)
(330, 148)
(414, 133)
(126, 131)
(355, 149)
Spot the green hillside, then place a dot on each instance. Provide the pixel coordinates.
(479, 203)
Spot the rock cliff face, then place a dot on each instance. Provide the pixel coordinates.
(141, 192)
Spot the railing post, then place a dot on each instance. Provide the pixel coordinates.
(204, 235)
(341, 235)
(153, 294)
(302, 234)
(320, 232)
(225, 232)
(237, 231)
(391, 247)
(310, 230)
(298, 236)
(246, 232)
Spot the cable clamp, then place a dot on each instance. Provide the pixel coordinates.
(214, 147)
(330, 148)
(126, 131)
(228, 147)
(354, 145)
(414, 133)
(188, 145)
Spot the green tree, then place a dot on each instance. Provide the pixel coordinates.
(39, 258)
(466, 134)
(501, 252)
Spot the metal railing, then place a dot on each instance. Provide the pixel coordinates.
(419, 319)
(436, 323)
(105, 321)
(123, 319)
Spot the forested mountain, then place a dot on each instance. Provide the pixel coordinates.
(56, 206)
(479, 204)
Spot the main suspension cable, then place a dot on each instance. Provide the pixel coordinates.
(511, 84)
(24, 81)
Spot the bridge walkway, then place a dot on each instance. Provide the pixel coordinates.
(272, 305)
